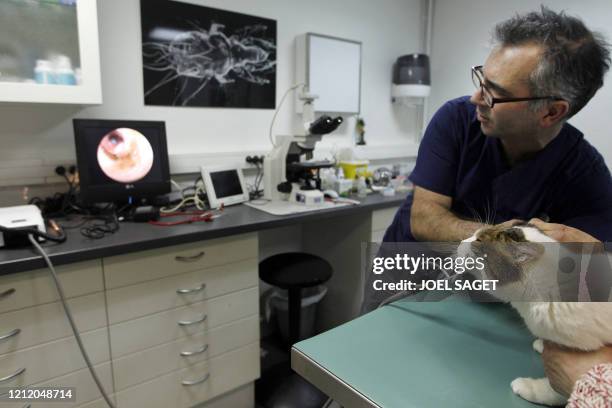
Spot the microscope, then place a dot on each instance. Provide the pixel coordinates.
(285, 174)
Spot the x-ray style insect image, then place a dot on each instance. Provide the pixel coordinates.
(201, 56)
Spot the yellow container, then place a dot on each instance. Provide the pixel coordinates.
(353, 168)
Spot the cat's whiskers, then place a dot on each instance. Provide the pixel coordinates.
(475, 214)
(487, 212)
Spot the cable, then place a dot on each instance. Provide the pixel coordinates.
(109, 225)
(178, 187)
(60, 291)
(194, 199)
(294, 87)
(254, 189)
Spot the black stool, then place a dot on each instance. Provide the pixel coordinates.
(294, 271)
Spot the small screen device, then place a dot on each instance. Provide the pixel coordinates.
(120, 160)
(224, 185)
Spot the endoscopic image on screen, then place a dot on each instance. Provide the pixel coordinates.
(125, 155)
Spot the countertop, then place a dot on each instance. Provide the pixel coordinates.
(453, 353)
(133, 237)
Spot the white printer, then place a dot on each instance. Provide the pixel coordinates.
(19, 217)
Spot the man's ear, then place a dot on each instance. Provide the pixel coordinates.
(554, 112)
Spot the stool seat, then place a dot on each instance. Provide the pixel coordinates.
(293, 270)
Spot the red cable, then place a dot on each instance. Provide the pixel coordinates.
(196, 216)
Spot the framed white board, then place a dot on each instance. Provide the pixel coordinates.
(331, 68)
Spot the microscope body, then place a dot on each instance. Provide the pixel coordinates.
(284, 170)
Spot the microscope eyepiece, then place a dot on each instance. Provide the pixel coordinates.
(325, 125)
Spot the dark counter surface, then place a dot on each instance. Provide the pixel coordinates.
(133, 237)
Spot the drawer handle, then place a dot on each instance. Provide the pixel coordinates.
(194, 352)
(7, 293)
(10, 334)
(189, 258)
(189, 383)
(11, 376)
(190, 322)
(193, 290)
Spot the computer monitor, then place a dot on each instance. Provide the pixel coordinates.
(121, 160)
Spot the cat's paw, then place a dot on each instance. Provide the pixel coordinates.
(523, 387)
(537, 390)
(538, 345)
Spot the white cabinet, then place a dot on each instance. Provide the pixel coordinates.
(50, 52)
(176, 326)
(183, 322)
(197, 383)
(37, 347)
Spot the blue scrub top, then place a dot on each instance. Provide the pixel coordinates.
(568, 181)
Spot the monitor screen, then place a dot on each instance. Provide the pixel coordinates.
(226, 183)
(120, 159)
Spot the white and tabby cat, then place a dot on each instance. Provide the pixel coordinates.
(522, 265)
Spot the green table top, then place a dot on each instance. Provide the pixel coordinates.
(430, 354)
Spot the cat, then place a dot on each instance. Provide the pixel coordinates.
(525, 264)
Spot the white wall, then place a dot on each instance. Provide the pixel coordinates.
(461, 33)
(35, 136)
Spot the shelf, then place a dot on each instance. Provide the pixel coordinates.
(45, 30)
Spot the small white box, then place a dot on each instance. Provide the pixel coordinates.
(21, 216)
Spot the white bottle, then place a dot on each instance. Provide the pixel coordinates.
(64, 73)
(362, 188)
(43, 72)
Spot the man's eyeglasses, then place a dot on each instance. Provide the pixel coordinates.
(490, 100)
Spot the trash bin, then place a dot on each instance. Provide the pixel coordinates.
(279, 304)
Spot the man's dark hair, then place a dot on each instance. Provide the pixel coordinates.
(574, 59)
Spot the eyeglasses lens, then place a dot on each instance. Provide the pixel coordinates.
(477, 80)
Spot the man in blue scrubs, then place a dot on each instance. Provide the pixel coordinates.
(507, 152)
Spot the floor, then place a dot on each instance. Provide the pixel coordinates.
(279, 386)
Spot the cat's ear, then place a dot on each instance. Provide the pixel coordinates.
(525, 252)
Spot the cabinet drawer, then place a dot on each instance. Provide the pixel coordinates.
(53, 359)
(86, 391)
(142, 333)
(225, 373)
(44, 323)
(381, 219)
(37, 287)
(155, 296)
(148, 364)
(143, 266)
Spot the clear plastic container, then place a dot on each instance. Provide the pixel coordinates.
(362, 188)
(64, 74)
(43, 72)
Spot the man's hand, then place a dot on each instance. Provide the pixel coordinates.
(564, 366)
(562, 233)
